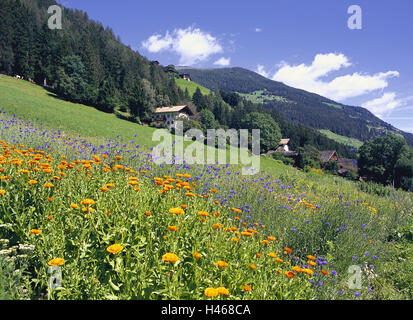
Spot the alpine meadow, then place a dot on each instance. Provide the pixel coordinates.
(88, 212)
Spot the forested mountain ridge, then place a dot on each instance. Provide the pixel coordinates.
(83, 61)
(298, 106)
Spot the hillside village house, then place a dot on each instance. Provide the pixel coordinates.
(284, 145)
(330, 155)
(185, 76)
(168, 115)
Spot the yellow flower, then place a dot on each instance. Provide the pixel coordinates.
(48, 185)
(170, 257)
(2, 192)
(114, 248)
(272, 255)
(56, 262)
(203, 213)
(223, 291)
(88, 202)
(74, 206)
(32, 182)
(176, 211)
(211, 292)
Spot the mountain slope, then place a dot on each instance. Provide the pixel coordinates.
(298, 106)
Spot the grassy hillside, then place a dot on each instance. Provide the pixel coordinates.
(191, 86)
(352, 142)
(121, 227)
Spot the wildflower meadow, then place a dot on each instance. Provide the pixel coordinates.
(112, 224)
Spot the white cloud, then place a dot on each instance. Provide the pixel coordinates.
(223, 61)
(192, 45)
(260, 70)
(383, 104)
(309, 77)
(258, 29)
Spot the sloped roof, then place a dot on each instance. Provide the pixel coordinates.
(284, 141)
(173, 109)
(347, 163)
(326, 155)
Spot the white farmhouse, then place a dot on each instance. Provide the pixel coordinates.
(168, 115)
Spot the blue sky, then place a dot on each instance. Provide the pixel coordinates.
(305, 44)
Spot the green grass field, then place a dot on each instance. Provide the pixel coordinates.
(120, 226)
(352, 142)
(191, 86)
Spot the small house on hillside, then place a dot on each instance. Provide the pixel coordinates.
(327, 156)
(168, 115)
(185, 76)
(284, 145)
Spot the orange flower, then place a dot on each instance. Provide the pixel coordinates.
(223, 291)
(235, 239)
(247, 288)
(288, 250)
(216, 226)
(211, 292)
(289, 274)
(258, 255)
(56, 262)
(2, 192)
(197, 255)
(36, 231)
(325, 272)
(147, 213)
(32, 182)
(253, 266)
(173, 228)
(278, 260)
(48, 185)
(104, 189)
(176, 211)
(170, 257)
(114, 248)
(222, 264)
(310, 257)
(272, 255)
(88, 202)
(203, 213)
(311, 263)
